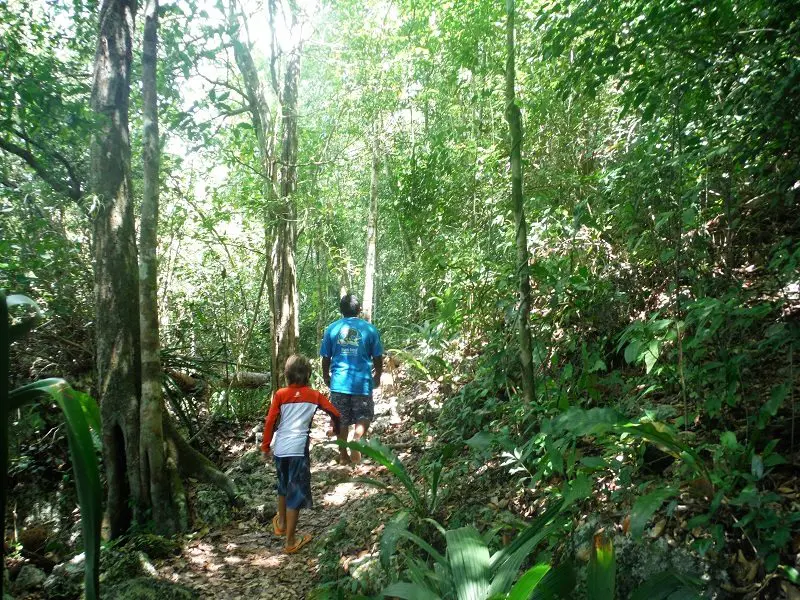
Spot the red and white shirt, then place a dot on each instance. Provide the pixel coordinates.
(293, 409)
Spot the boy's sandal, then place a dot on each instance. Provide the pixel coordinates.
(304, 540)
(275, 528)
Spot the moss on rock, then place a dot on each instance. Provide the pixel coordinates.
(146, 588)
(120, 566)
(154, 546)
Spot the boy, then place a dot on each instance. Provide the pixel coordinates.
(293, 408)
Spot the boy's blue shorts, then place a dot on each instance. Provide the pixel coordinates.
(294, 480)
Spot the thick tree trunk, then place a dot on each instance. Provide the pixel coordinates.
(155, 480)
(368, 305)
(514, 118)
(115, 266)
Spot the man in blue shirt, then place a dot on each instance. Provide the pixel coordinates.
(352, 363)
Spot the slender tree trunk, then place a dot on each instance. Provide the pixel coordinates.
(155, 479)
(5, 363)
(514, 118)
(372, 234)
(285, 317)
(280, 219)
(115, 265)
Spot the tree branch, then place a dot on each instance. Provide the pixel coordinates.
(72, 191)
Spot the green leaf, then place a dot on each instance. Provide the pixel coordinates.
(391, 536)
(80, 416)
(384, 457)
(651, 355)
(409, 591)
(771, 406)
(505, 563)
(480, 441)
(757, 467)
(645, 507)
(668, 586)
(526, 584)
(469, 559)
(26, 324)
(557, 584)
(602, 572)
(578, 489)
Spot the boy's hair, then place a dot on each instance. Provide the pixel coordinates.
(297, 370)
(349, 305)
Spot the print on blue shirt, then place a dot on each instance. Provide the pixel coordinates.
(351, 344)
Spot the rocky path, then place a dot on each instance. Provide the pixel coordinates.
(243, 559)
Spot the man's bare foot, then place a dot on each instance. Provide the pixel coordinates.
(344, 459)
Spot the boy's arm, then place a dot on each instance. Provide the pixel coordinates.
(269, 423)
(329, 408)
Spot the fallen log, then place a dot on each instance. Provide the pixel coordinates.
(241, 380)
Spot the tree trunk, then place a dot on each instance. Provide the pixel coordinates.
(115, 266)
(155, 479)
(514, 118)
(285, 317)
(368, 305)
(280, 218)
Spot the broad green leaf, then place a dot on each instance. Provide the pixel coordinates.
(557, 584)
(79, 416)
(526, 584)
(468, 557)
(409, 591)
(505, 563)
(602, 572)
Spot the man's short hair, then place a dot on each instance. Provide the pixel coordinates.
(298, 370)
(349, 305)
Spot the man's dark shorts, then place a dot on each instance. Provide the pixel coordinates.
(294, 481)
(353, 408)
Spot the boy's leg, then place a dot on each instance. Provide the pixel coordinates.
(297, 498)
(292, 514)
(282, 512)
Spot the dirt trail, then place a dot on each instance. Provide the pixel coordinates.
(243, 559)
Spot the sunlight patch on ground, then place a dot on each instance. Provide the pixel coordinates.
(269, 562)
(339, 495)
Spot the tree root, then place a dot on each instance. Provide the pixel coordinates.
(192, 463)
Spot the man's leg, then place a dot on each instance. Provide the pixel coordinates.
(342, 404)
(360, 431)
(344, 457)
(363, 413)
